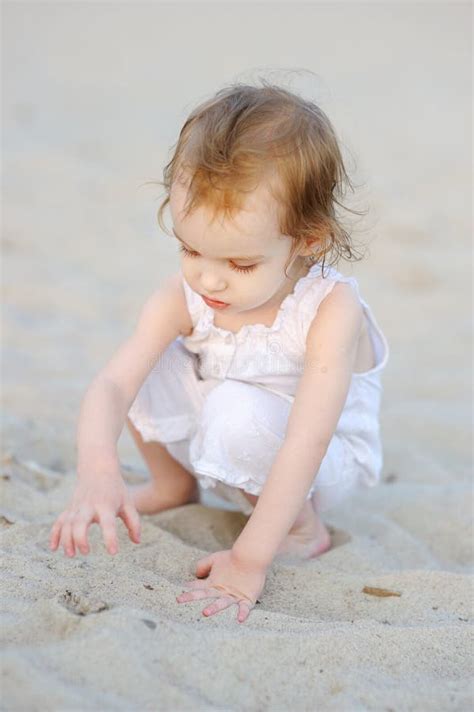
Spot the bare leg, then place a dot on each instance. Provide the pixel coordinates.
(171, 484)
(308, 537)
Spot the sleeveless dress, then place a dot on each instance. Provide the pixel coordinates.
(220, 401)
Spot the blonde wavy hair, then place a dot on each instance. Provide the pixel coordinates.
(246, 134)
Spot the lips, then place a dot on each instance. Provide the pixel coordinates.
(214, 302)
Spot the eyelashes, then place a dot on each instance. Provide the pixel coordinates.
(236, 268)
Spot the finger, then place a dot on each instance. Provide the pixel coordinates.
(219, 605)
(79, 534)
(232, 591)
(109, 532)
(187, 596)
(55, 533)
(131, 519)
(244, 611)
(66, 539)
(204, 566)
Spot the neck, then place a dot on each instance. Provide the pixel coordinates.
(298, 268)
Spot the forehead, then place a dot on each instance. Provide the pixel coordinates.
(254, 229)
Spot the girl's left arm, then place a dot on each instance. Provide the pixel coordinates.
(331, 348)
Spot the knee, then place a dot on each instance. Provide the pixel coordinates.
(246, 408)
(234, 423)
(231, 407)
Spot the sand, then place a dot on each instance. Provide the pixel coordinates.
(93, 98)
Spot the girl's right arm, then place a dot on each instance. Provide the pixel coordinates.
(100, 494)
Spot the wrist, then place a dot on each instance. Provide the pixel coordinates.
(247, 559)
(108, 467)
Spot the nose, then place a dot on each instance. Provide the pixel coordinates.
(212, 283)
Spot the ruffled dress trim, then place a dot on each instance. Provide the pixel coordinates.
(209, 475)
(203, 316)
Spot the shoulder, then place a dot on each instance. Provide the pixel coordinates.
(330, 289)
(342, 295)
(339, 318)
(172, 294)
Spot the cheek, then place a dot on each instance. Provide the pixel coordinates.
(261, 286)
(269, 279)
(187, 271)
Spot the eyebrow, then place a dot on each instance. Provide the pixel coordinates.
(255, 257)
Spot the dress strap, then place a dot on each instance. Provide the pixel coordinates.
(317, 289)
(313, 297)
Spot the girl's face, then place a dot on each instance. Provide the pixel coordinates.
(240, 263)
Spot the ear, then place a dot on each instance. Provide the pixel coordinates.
(310, 247)
(317, 244)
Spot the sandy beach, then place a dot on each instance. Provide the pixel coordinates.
(94, 95)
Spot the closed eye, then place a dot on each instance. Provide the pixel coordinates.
(236, 268)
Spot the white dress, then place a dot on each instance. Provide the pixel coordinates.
(220, 401)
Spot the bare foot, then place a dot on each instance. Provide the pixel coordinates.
(150, 499)
(309, 540)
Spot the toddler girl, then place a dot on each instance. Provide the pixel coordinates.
(255, 369)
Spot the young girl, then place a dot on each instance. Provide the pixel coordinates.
(252, 370)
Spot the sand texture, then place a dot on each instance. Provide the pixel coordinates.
(94, 95)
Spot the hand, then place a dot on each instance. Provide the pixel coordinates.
(95, 501)
(229, 580)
